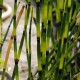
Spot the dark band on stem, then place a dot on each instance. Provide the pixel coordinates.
(43, 66)
(26, 6)
(1, 45)
(14, 37)
(1, 6)
(54, 12)
(68, 9)
(38, 39)
(15, 1)
(47, 53)
(16, 61)
(29, 3)
(4, 69)
(27, 50)
(38, 4)
(53, 58)
(65, 40)
(41, 54)
(34, 19)
(71, 19)
(25, 27)
(60, 71)
(40, 72)
(61, 11)
(49, 22)
(58, 24)
(60, 39)
(24, 33)
(44, 30)
(14, 17)
(65, 13)
(42, 24)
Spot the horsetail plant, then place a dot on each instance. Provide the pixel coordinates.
(58, 33)
(11, 39)
(1, 6)
(29, 50)
(38, 38)
(10, 42)
(21, 43)
(9, 27)
(43, 36)
(15, 41)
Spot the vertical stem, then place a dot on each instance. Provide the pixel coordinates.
(14, 29)
(7, 31)
(28, 46)
(11, 40)
(9, 27)
(48, 31)
(1, 6)
(38, 38)
(29, 54)
(15, 39)
(21, 43)
(43, 36)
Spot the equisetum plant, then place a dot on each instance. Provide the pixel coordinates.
(58, 39)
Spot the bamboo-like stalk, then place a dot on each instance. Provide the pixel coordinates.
(8, 27)
(54, 63)
(38, 38)
(43, 36)
(28, 46)
(11, 39)
(29, 51)
(24, 36)
(1, 6)
(64, 35)
(25, 27)
(48, 35)
(7, 31)
(14, 29)
(15, 40)
(10, 43)
(26, 42)
(25, 31)
(27, 11)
